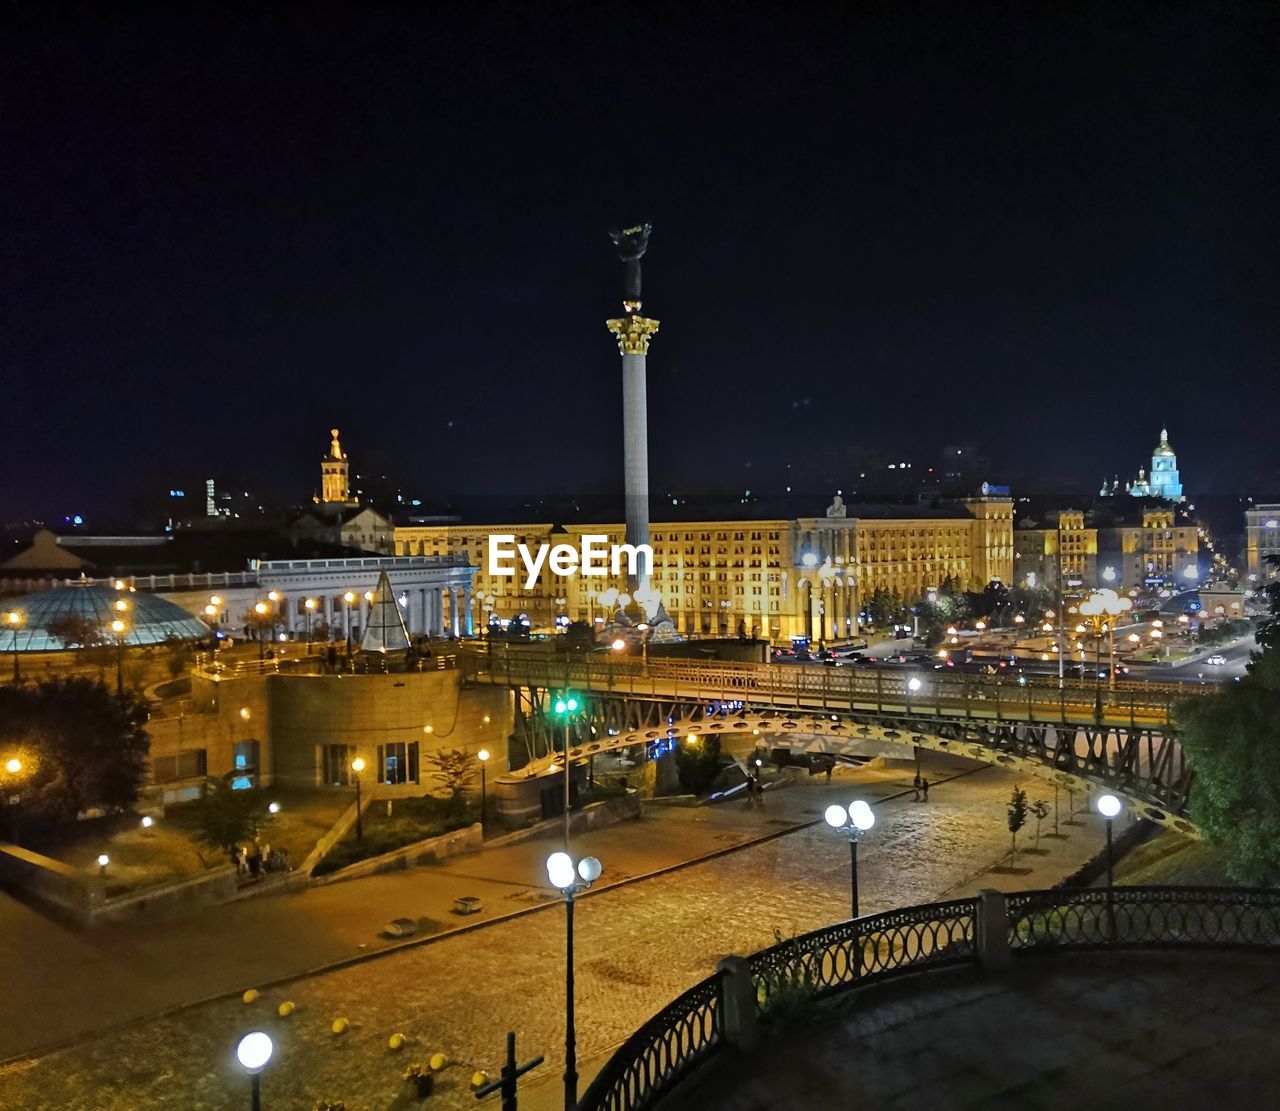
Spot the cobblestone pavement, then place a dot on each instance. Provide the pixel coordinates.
(637, 946)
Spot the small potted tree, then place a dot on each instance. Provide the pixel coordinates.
(419, 1075)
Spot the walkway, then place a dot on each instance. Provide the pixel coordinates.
(638, 946)
(1134, 1030)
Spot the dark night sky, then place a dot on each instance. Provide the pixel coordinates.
(228, 228)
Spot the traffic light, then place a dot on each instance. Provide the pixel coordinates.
(565, 704)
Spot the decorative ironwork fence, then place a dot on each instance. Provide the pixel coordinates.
(692, 1027)
(1138, 917)
(678, 1037)
(862, 950)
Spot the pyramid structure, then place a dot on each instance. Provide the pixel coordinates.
(384, 631)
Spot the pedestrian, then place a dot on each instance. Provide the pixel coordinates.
(830, 768)
(915, 784)
(924, 787)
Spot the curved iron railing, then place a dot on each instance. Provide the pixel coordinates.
(1138, 917)
(864, 949)
(677, 1038)
(690, 1028)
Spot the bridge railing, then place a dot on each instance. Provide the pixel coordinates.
(696, 1025)
(832, 688)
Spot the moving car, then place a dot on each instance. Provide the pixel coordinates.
(1217, 659)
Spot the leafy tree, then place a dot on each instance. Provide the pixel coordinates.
(579, 635)
(1232, 740)
(697, 763)
(226, 817)
(177, 656)
(261, 625)
(88, 745)
(1039, 811)
(1017, 814)
(1268, 635)
(77, 630)
(454, 770)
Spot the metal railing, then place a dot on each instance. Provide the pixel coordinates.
(1135, 917)
(790, 686)
(695, 1026)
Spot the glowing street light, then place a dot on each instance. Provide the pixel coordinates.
(253, 1053)
(854, 821)
(572, 880)
(483, 757)
(14, 620)
(357, 766)
(565, 707)
(118, 627)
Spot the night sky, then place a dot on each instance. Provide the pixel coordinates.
(875, 226)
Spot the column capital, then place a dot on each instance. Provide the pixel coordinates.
(633, 331)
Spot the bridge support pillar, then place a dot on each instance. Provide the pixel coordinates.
(991, 931)
(739, 1020)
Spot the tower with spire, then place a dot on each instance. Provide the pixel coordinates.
(335, 477)
(1164, 481)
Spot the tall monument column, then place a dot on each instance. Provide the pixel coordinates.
(634, 331)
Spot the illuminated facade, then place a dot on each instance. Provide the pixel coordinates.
(776, 578)
(335, 476)
(1262, 543)
(1164, 480)
(1158, 552)
(1063, 554)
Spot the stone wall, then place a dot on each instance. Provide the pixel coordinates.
(365, 711)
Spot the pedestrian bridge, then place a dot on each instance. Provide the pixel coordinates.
(1077, 736)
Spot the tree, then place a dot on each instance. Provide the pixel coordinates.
(454, 770)
(226, 817)
(89, 746)
(579, 635)
(261, 625)
(697, 763)
(77, 630)
(1017, 813)
(1232, 740)
(1039, 811)
(1268, 635)
(177, 656)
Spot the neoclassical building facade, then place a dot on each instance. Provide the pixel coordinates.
(777, 578)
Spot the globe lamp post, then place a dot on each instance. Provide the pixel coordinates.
(571, 879)
(854, 821)
(253, 1053)
(357, 766)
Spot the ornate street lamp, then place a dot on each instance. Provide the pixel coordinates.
(853, 822)
(1102, 608)
(572, 880)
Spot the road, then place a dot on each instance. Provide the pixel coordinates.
(638, 945)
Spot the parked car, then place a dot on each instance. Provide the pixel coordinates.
(1217, 659)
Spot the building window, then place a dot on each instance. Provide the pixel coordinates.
(244, 762)
(191, 764)
(335, 764)
(398, 762)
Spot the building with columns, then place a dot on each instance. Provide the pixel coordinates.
(777, 577)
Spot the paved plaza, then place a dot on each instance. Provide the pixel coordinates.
(638, 945)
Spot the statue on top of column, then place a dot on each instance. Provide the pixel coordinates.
(335, 448)
(631, 244)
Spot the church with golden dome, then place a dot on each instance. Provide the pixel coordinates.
(1163, 481)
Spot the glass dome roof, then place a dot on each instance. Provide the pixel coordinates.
(148, 618)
